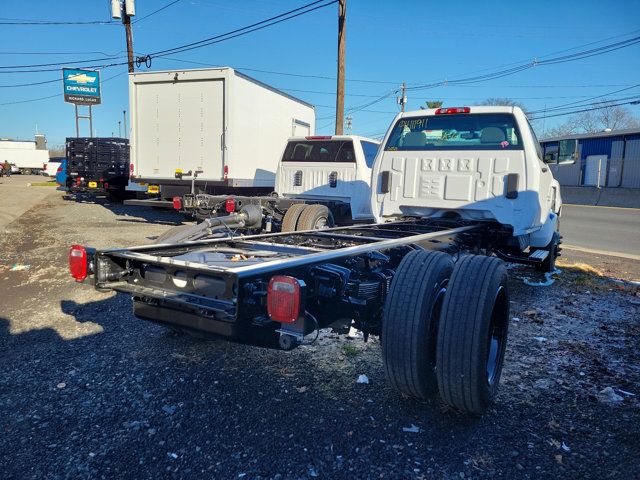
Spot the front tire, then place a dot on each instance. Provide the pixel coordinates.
(410, 322)
(549, 264)
(472, 334)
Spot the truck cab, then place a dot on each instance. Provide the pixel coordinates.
(335, 168)
(475, 163)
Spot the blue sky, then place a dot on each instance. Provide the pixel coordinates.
(418, 42)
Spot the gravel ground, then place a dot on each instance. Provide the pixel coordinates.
(88, 391)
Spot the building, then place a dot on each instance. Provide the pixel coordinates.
(603, 159)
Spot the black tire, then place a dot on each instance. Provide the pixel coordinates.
(472, 334)
(549, 264)
(170, 233)
(315, 217)
(291, 217)
(410, 322)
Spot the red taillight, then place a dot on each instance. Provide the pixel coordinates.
(283, 299)
(78, 262)
(59, 170)
(230, 205)
(319, 137)
(445, 111)
(177, 203)
(106, 185)
(225, 172)
(78, 181)
(131, 174)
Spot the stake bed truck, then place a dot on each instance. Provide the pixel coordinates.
(455, 191)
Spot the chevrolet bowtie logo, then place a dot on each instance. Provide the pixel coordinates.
(82, 78)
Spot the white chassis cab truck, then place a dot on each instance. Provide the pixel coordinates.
(321, 181)
(456, 191)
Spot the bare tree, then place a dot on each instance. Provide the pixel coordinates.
(432, 104)
(606, 115)
(57, 150)
(501, 101)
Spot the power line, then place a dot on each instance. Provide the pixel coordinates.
(511, 71)
(55, 95)
(632, 102)
(296, 12)
(288, 74)
(248, 29)
(21, 21)
(30, 84)
(138, 20)
(564, 105)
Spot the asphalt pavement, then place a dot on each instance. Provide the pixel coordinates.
(17, 197)
(88, 391)
(602, 230)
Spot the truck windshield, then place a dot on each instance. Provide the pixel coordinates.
(482, 131)
(319, 151)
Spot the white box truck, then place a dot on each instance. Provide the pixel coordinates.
(212, 130)
(28, 156)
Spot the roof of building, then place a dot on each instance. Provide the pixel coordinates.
(611, 133)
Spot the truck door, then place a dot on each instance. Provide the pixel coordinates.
(179, 125)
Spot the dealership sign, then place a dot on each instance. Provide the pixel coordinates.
(81, 87)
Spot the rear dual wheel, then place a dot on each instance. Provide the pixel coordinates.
(445, 328)
(307, 217)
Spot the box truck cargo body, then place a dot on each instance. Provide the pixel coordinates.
(228, 127)
(24, 154)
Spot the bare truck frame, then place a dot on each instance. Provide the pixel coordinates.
(454, 191)
(397, 280)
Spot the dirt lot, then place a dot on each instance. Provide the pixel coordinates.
(88, 391)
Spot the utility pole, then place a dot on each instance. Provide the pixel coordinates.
(124, 116)
(125, 10)
(402, 99)
(342, 27)
(119, 129)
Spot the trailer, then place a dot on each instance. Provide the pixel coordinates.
(456, 192)
(29, 156)
(214, 131)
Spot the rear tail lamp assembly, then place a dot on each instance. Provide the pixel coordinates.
(177, 203)
(230, 205)
(333, 179)
(297, 179)
(452, 110)
(131, 174)
(78, 264)
(285, 299)
(225, 172)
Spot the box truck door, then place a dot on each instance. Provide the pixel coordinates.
(180, 126)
